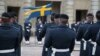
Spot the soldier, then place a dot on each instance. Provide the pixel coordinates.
(98, 35)
(92, 33)
(15, 24)
(61, 39)
(27, 31)
(81, 31)
(53, 24)
(39, 27)
(98, 44)
(9, 37)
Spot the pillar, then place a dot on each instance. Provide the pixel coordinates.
(67, 7)
(94, 7)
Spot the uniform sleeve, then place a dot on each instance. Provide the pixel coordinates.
(87, 34)
(72, 44)
(21, 34)
(79, 34)
(98, 38)
(48, 39)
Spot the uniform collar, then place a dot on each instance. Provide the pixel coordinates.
(63, 26)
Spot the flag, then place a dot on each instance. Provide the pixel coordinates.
(39, 11)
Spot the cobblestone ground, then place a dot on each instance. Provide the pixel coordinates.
(33, 49)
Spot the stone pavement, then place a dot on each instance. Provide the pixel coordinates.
(33, 49)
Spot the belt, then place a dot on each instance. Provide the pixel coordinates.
(58, 50)
(94, 48)
(7, 51)
(84, 44)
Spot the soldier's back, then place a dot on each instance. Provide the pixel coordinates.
(8, 39)
(62, 35)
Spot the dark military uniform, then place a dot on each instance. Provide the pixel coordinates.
(27, 30)
(38, 30)
(44, 29)
(9, 40)
(61, 40)
(91, 34)
(98, 44)
(15, 24)
(43, 32)
(80, 33)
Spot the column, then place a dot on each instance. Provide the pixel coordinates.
(94, 7)
(2, 7)
(67, 7)
(21, 13)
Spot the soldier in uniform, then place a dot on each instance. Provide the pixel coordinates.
(39, 27)
(9, 37)
(98, 44)
(27, 31)
(92, 33)
(98, 35)
(18, 26)
(61, 39)
(53, 24)
(81, 31)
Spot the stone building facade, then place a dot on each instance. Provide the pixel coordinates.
(76, 9)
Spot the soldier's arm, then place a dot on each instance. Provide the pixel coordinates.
(21, 34)
(48, 39)
(98, 38)
(79, 34)
(72, 45)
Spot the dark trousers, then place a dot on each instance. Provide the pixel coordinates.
(88, 51)
(27, 36)
(82, 52)
(97, 53)
(38, 38)
(18, 51)
(46, 53)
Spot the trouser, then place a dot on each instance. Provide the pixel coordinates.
(86, 48)
(38, 38)
(46, 52)
(82, 51)
(18, 51)
(97, 53)
(27, 36)
(89, 48)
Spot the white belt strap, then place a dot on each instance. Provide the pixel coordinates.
(84, 44)
(7, 51)
(94, 48)
(28, 30)
(58, 50)
(27, 26)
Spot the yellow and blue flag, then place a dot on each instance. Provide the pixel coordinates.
(39, 11)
